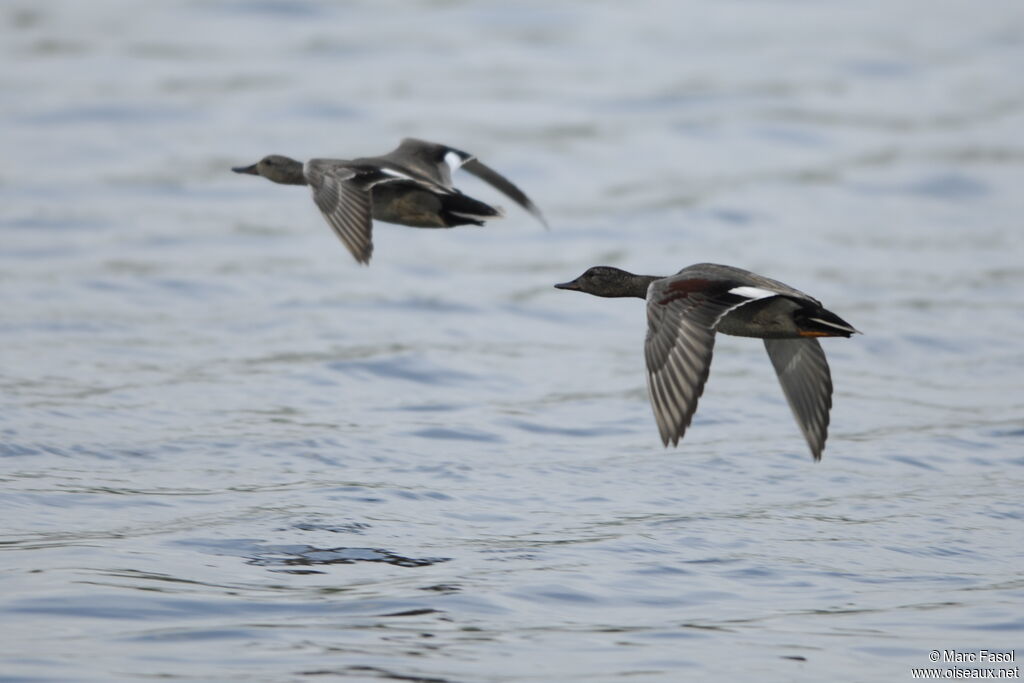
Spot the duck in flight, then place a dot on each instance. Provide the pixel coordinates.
(685, 310)
(410, 185)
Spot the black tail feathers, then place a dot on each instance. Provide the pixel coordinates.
(824, 323)
(460, 209)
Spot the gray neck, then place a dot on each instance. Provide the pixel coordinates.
(638, 284)
(290, 174)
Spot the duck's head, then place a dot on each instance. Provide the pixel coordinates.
(610, 282)
(275, 167)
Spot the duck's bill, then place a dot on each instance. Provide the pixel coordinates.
(251, 170)
(568, 285)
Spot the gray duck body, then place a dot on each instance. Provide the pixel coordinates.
(411, 185)
(686, 310)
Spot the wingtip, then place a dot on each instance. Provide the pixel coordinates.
(535, 212)
(668, 438)
(362, 257)
(816, 448)
(505, 186)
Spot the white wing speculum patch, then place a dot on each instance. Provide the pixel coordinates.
(396, 174)
(455, 160)
(752, 292)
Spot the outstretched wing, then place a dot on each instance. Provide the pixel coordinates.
(342, 193)
(434, 162)
(427, 162)
(681, 317)
(503, 185)
(807, 383)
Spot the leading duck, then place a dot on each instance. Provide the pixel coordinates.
(685, 310)
(410, 185)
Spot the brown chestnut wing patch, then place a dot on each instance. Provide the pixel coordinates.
(682, 289)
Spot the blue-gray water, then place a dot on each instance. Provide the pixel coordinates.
(229, 453)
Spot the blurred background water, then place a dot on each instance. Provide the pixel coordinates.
(229, 453)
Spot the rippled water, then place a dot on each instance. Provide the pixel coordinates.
(231, 453)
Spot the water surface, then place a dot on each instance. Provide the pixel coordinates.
(230, 453)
